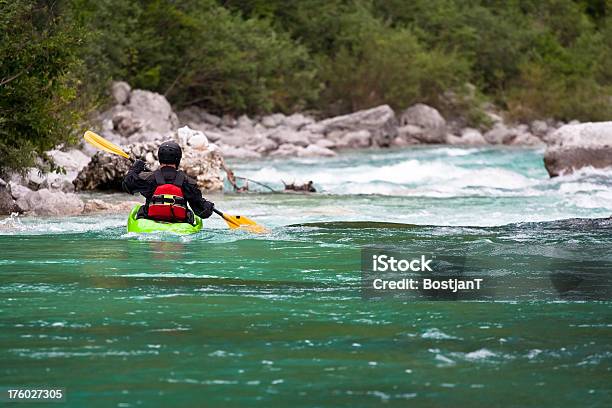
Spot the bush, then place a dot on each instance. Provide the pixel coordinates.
(196, 52)
(375, 64)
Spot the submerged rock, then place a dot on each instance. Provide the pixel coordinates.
(575, 146)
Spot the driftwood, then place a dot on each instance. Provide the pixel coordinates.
(306, 187)
(231, 177)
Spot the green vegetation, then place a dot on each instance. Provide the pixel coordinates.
(40, 71)
(533, 58)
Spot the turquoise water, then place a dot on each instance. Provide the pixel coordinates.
(228, 318)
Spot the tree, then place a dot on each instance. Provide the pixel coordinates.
(40, 73)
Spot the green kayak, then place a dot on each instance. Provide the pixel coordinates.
(143, 225)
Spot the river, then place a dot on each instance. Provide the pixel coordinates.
(228, 318)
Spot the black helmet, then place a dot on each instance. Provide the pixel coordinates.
(169, 153)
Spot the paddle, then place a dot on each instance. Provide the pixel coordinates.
(233, 221)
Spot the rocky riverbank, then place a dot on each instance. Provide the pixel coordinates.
(139, 120)
(141, 117)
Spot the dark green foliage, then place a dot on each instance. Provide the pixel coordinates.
(535, 58)
(538, 58)
(196, 52)
(39, 79)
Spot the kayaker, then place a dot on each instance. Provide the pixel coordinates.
(167, 190)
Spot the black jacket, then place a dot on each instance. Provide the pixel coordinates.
(139, 181)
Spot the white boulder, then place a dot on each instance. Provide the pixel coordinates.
(50, 203)
(575, 146)
(379, 121)
(429, 119)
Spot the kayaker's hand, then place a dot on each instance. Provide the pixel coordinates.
(208, 209)
(138, 166)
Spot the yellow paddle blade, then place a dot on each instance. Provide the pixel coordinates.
(240, 221)
(101, 143)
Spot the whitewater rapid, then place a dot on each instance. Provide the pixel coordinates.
(444, 186)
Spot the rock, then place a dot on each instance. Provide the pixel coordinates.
(526, 139)
(100, 206)
(199, 141)
(263, 145)
(379, 121)
(51, 203)
(238, 152)
(147, 117)
(287, 150)
(245, 123)
(352, 140)
(297, 121)
(313, 137)
(314, 150)
(148, 137)
(402, 142)
(499, 134)
(7, 203)
(125, 124)
(454, 140)
(106, 172)
(153, 111)
(517, 136)
(272, 121)
(539, 128)
(213, 136)
(470, 136)
(325, 143)
(121, 92)
(408, 135)
(18, 191)
(71, 161)
(197, 114)
(287, 135)
(237, 138)
(429, 119)
(205, 166)
(193, 138)
(228, 121)
(210, 118)
(577, 146)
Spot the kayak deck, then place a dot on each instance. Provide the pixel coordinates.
(143, 225)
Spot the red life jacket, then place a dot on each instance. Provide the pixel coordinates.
(168, 202)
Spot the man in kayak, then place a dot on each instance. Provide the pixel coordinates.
(167, 189)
